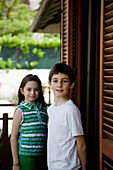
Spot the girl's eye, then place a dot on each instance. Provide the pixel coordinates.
(36, 89)
(28, 89)
(55, 81)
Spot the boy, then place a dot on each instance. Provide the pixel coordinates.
(66, 143)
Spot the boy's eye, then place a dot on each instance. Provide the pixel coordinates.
(64, 81)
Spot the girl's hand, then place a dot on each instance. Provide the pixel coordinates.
(16, 167)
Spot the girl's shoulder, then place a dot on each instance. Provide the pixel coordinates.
(19, 107)
(41, 107)
(24, 105)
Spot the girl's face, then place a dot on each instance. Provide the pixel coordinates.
(30, 92)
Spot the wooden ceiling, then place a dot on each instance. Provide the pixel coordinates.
(48, 17)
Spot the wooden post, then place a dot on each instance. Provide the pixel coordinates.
(49, 96)
(4, 160)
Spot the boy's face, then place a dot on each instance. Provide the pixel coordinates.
(60, 84)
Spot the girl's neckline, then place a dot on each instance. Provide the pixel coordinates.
(28, 104)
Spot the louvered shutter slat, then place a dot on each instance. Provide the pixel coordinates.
(109, 7)
(107, 16)
(108, 113)
(108, 134)
(65, 37)
(64, 56)
(108, 64)
(110, 128)
(108, 107)
(108, 92)
(108, 36)
(108, 71)
(107, 2)
(107, 165)
(65, 16)
(108, 43)
(110, 121)
(108, 50)
(108, 57)
(107, 84)
(108, 78)
(109, 29)
(108, 99)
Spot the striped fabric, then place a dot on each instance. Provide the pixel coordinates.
(33, 129)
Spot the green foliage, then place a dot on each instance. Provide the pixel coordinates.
(38, 52)
(14, 27)
(2, 63)
(9, 63)
(18, 66)
(33, 63)
(0, 48)
(24, 43)
(15, 17)
(6, 64)
(27, 64)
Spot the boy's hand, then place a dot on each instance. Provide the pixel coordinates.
(81, 145)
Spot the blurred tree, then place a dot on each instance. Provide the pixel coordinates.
(15, 17)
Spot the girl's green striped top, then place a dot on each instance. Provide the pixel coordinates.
(33, 129)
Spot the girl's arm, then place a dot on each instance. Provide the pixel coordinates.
(81, 148)
(14, 136)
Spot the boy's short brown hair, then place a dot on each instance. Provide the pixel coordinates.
(62, 68)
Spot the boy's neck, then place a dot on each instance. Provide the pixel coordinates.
(60, 101)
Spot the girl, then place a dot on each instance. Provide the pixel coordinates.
(29, 128)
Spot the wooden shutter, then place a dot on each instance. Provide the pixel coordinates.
(71, 41)
(64, 30)
(67, 29)
(106, 85)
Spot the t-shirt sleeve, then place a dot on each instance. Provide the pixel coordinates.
(75, 123)
(48, 110)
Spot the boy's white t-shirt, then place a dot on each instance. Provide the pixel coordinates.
(63, 126)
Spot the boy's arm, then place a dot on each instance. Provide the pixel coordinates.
(81, 148)
(14, 135)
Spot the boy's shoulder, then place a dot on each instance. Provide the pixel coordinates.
(69, 105)
(50, 106)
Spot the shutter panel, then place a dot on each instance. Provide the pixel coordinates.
(71, 41)
(106, 85)
(64, 31)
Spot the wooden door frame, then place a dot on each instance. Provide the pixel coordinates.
(101, 84)
(75, 63)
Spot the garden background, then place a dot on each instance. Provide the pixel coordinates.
(21, 53)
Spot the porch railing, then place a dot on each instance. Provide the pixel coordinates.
(4, 136)
(4, 142)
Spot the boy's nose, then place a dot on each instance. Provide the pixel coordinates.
(59, 83)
